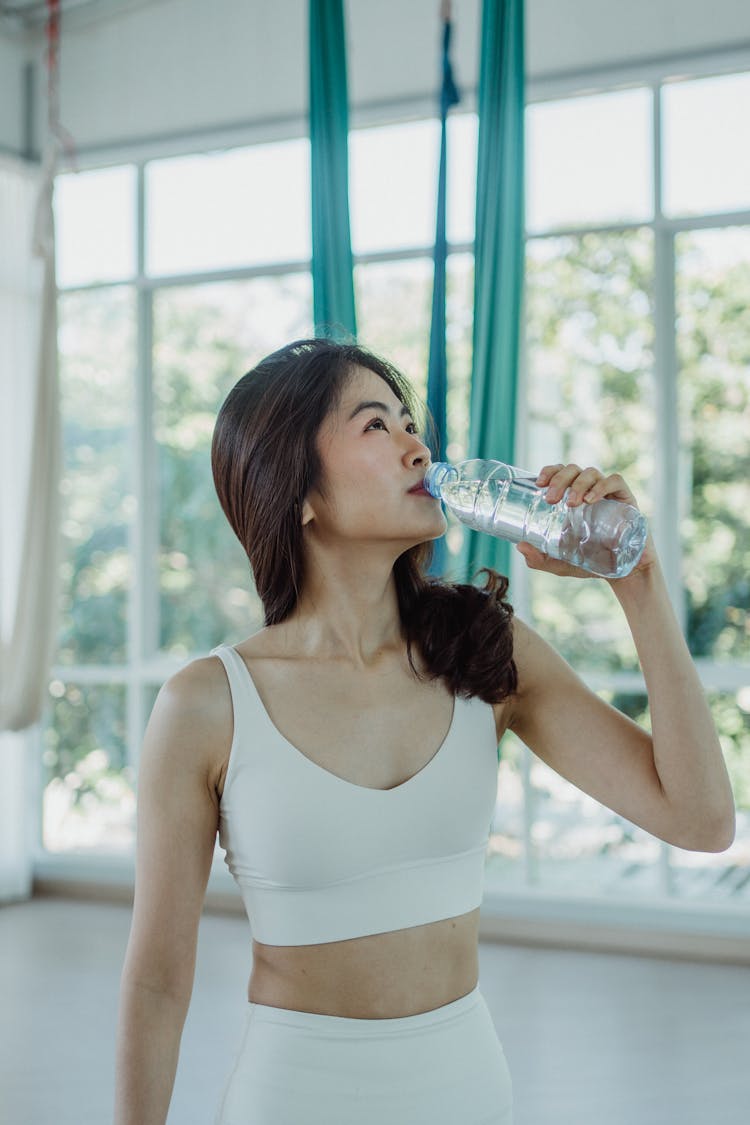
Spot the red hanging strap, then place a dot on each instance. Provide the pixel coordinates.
(56, 129)
(53, 37)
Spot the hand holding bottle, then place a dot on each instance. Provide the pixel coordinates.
(583, 486)
(583, 524)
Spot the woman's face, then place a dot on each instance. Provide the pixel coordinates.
(371, 457)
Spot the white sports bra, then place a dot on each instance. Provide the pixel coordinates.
(318, 858)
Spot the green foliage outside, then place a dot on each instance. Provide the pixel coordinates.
(713, 340)
(205, 339)
(590, 401)
(97, 374)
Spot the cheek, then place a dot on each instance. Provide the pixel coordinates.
(363, 478)
(358, 500)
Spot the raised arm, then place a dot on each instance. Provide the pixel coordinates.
(672, 782)
(187, 733)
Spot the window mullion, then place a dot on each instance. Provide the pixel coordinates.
(522, 598)
(142, 620)
(667, 507)
(666, 522)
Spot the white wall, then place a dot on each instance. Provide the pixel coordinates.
(577, 34)
(12, 58)
(180, 66)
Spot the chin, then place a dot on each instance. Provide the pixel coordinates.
(430, 536)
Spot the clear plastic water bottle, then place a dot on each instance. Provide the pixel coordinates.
(606, 538)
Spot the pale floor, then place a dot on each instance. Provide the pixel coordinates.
(591, 1039)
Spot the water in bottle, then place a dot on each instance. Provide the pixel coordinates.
(606, 538)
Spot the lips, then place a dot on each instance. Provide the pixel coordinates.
(418, 489)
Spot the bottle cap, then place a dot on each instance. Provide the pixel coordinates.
(437, 475)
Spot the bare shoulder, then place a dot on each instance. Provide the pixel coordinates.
(534, 659)
(188, 733)
(505, 710)
(195, 703)
(200, 689)
(198, 683)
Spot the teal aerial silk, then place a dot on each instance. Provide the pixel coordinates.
(498, 256)
(437, 373)
(332, 267)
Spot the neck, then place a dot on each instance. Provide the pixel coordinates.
(348, 609)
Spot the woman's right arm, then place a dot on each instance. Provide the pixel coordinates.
(177, 822)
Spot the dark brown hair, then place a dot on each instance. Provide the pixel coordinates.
(264, 460)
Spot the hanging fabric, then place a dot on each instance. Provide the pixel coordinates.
(31, 439)
(30, 471)
(437, 375)
(332, 266)
(498, 255)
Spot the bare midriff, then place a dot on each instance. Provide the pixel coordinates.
(379, 976)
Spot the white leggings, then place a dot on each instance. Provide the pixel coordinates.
(442, 1067)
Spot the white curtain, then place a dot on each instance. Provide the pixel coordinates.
(30, 470)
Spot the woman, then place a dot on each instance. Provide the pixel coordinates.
(311, 746)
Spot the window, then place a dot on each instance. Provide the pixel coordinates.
(152, 573)
(706, 165)
(95, 226)
(589, 160)
(622, 267)
(204, 338)
(606, 273)
(228, 210)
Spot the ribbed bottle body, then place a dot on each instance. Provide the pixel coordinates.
(606, 538)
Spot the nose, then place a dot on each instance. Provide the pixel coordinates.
(418, 453)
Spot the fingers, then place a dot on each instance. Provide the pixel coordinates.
(613, 485)
(584, 486)
(558, 478)
(537, 560)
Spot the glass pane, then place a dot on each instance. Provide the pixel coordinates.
(589, 160)
(95, 225)
(459, 308)
(462, 177)
(460, 322)
(89, 800)
(590, 365)
(97, 374)
(394, 308)
(394, 304)
(393, 173)
(724, 876)
(205, 338)
(713, 340)
(580, 844)
(731, 712)
(393, 212)
(504, 866)
(246, 207)
(706, 157)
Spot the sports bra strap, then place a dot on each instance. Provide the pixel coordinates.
(240, 684)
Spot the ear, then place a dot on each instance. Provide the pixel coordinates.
(307, 512)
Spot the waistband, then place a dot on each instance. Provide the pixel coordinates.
(323, 1024)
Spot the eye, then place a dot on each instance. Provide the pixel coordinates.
(411, 427)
